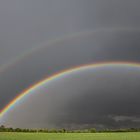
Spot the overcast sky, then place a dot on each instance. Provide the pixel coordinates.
(91, 31)
(105, 97)
(26, 24)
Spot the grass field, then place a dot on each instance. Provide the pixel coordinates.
(69, 136)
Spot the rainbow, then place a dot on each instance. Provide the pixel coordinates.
(51, 42)
(57, 76)
(48, 43)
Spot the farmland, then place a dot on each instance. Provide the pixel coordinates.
(69, 136)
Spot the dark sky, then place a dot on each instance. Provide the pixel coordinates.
(105, 97)
(91, 31)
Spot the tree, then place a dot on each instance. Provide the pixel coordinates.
(2, 128)
(92, 130)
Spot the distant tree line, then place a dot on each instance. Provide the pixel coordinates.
(91, 130)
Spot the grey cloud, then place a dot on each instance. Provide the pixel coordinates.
(26, 24)
(102, 98)
(90, 48)
(126, 118)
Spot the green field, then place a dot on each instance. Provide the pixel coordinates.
(69, 136)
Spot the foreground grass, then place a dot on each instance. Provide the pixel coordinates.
(69, 136)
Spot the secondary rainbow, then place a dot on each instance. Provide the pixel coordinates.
(51, 42)
(59, 75)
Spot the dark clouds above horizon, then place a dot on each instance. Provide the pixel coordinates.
(105, 97)
(26, 24)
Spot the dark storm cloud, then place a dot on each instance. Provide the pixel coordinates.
(25, 24)
(90, 48)
(125, 118)
(106, 97)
